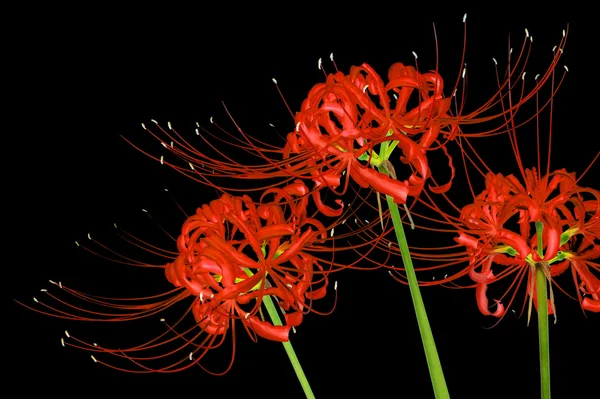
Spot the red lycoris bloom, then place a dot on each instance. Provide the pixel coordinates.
(343, 120)
(500, 236)
(231, 254)
(229, 248)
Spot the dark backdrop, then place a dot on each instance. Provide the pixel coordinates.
(85, 79)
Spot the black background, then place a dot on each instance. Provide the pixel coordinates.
(84, 80)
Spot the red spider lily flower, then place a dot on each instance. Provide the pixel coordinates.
(344, 119)
(231, 254)
(517, 225)
(495, 233)
(569, 237)
(228, 275)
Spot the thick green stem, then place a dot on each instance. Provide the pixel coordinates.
(433, 361)
(543, 333)
(289, 349)
(542, 311)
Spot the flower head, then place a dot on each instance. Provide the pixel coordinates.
(349, 125)
(343, 120)
(229, 248)
(549, 222)
(232, 256)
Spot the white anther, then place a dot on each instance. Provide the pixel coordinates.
(169, 125)
(67, 334)
(364, 90)
(114, 224)
(52, 282)
(564, 33)
(211, 120)
(415, 55)
(335, 286)
(162, 320)
(298, 126)
(523, 77)
(536, 77)
(495, 62)
(319, 64)
(566, 69)
(554, 49)
(77, 243)
(343, 221)
(62, 341)
(289, 286)
(331, 56)
(143, 210)
(201, 296)
(59, 285)
(162, 160)
(154, 121)
(191, 358)
(526, 33)
(465, 18)
(43, 290)
(143, 126)
(197, 132)
(246, 315)
(89, 237)
(274, 80)
(464, 72)
(191, 166)
(35, 300)
(164, 144)
(331, 234)
(94, 359)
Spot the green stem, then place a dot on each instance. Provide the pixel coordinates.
(543, 333)
(289, 349)
(542, 311)
(433, 361)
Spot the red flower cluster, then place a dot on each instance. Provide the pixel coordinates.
(498, 233)
(343, 120)
(229, 248)
(233, 254)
